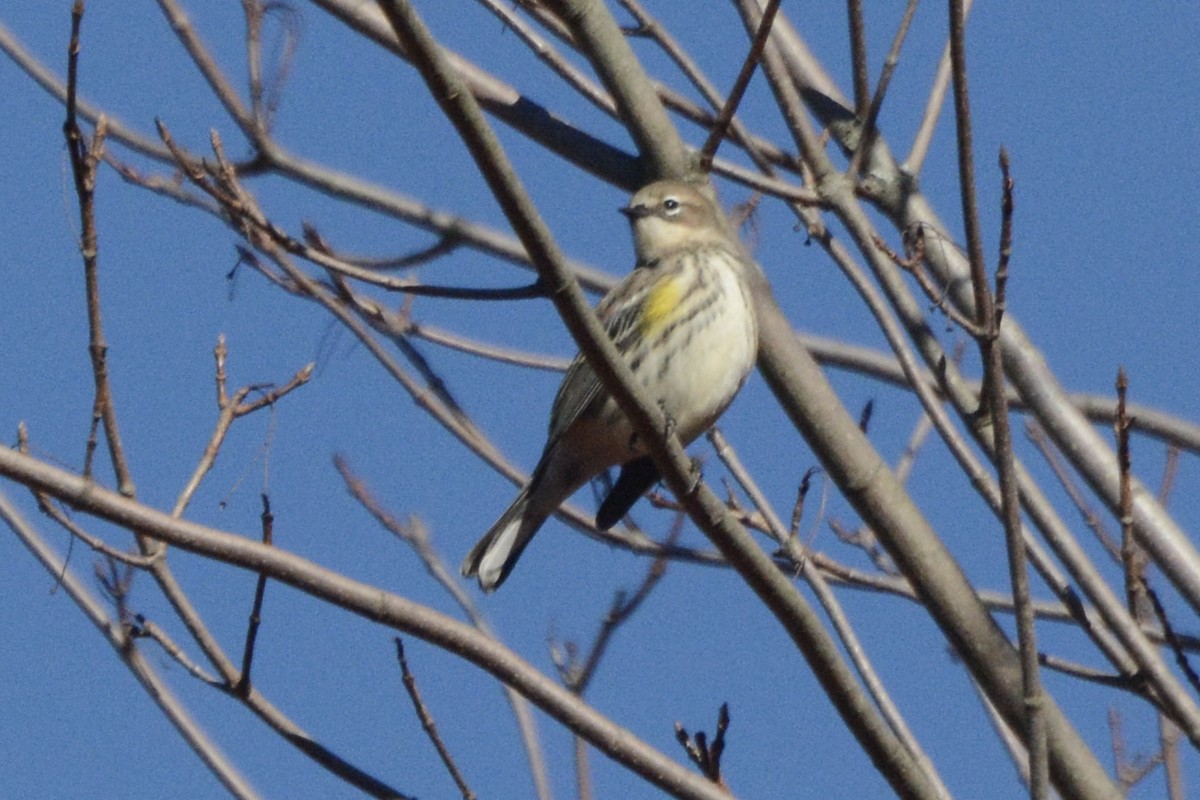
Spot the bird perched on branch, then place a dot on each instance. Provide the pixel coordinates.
(683, 319)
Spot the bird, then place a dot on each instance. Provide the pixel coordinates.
(683, 320)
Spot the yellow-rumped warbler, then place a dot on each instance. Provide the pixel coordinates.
(684, 321)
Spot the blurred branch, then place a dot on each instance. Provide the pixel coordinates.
(577, 676)
(933, 108)
(1130, 771)
(416, 536)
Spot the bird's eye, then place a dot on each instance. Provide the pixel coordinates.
(671, 205)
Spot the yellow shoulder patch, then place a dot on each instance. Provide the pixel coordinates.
(660, 305)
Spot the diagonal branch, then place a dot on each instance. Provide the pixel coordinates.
(709, 149)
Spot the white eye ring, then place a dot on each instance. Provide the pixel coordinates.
(671, 205)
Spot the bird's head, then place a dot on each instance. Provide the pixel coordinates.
(669, 215)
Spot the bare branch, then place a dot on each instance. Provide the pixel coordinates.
(415, 535)
(577, 676)
(871, 116)
(709, 149)
(242, 687)
(428, 725)
(1035, 729)
(85, 158)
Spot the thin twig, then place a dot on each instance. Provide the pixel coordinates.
(577, 677)
(1133, 560)
(231, 409)
(864, 539)
(252, 10)
(913, 262)
(1172, 639)
(312, 249)
(475, 347)
(447, 242)
(416, 536)
(871, 117)
(1091, 517)
(1141, 597)
(1035, 701)
(707, 757)
(428, 725)
(85, 158)
(709, 149)
(52, 509)
(1006, 229)
(242, 687)
(265, 95)
(798, 506)
(1170, 469)
(143, 627)
(116, 634)
(933, 108)
(1126, 683)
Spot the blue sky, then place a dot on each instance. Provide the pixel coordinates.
(1097, 109)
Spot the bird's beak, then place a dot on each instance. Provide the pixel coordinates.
(635, 212)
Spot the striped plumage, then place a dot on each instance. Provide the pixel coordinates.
(684, 321)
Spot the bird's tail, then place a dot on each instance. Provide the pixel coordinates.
(496, 553)
(635, 480)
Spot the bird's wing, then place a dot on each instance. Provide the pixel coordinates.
(619, 313)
